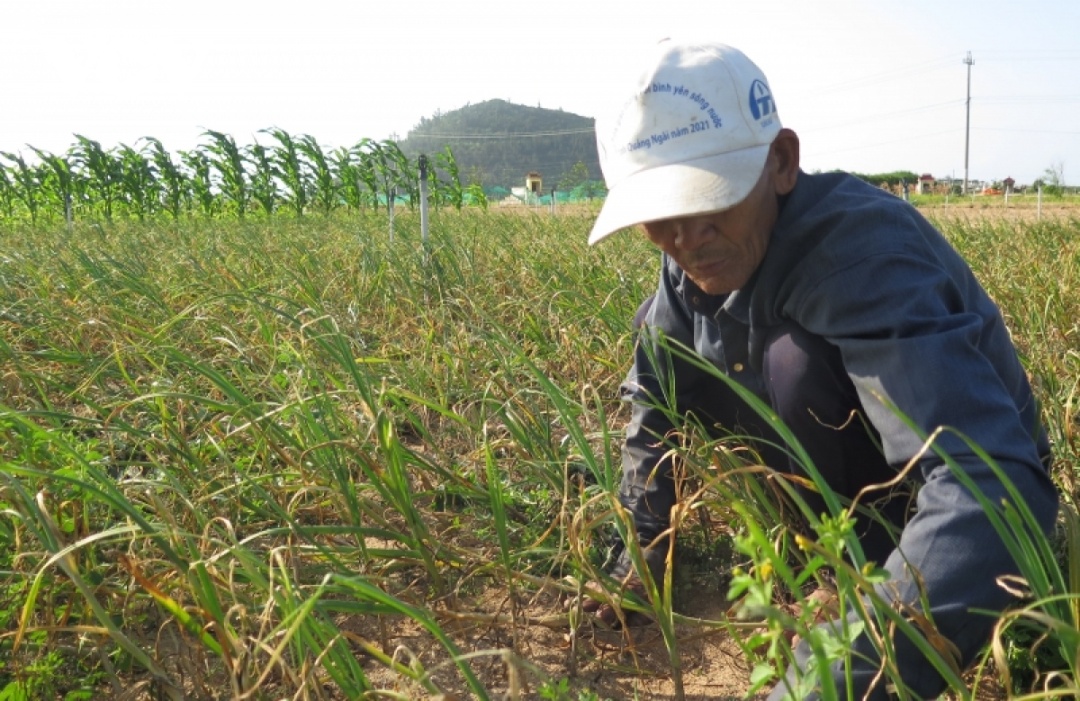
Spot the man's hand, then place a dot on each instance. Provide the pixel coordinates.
(608, 612)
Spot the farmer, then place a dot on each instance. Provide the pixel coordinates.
(844, 310)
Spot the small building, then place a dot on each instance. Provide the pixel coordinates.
(926, 184)
(534, 183)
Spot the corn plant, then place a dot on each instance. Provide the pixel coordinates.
(58, 182)
(350, 177)
(25, 184)
(103, 172)
(228, 161)
(264, 181)
(371, 169)
(391, 168)
(401, 175)
(139, 186)
(474, 194)
(201, 181)
(291, 169)
(324, 187)
(8, 195)
(174, 188)
(449, 188)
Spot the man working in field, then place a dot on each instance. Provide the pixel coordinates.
(840, 307)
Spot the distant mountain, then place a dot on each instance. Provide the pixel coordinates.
(496, 143)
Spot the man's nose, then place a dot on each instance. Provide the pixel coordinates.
(692, 232)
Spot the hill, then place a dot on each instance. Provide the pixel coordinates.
(496, 143)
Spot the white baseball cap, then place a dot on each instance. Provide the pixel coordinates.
(690, 138)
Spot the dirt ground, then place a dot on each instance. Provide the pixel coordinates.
(996, 209)
(610, 664)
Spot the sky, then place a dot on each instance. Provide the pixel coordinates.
(869, 86)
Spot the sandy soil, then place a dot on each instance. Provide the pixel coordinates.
(610, 664)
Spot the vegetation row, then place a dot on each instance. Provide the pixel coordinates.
(221, 177)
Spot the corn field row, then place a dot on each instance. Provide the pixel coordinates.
(220, 178)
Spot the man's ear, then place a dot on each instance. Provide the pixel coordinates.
(785, 148)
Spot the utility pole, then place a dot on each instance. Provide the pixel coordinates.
(967, 128)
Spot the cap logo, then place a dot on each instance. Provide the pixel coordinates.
(761, 102)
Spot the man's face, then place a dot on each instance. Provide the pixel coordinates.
(721, 251)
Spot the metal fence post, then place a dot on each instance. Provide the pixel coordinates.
(390, 207)
(424, 199)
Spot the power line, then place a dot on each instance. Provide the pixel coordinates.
(513, 135)
(881, 115)
(1017, 57)
(859, 147)
(890, 74)
(1027, 99)
(1029, 131)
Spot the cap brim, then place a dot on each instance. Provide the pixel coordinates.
(704, 185)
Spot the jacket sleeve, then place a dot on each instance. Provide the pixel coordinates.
(921, 340)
